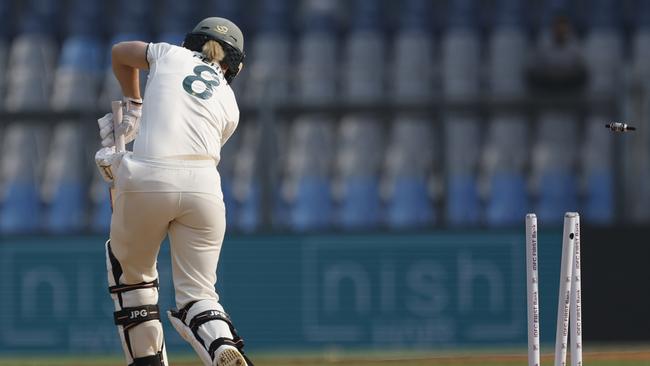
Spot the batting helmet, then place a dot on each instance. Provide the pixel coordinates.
(229, 37)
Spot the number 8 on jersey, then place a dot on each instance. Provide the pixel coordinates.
(198, 77)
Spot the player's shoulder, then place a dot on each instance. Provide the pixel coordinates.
(158, 50)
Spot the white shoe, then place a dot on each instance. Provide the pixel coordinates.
(228, 356)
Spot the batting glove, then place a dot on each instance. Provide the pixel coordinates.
(108, 161)
(129, 126)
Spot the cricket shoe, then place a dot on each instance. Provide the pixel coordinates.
(229, 356)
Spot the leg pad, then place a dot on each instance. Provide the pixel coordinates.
(154, 360)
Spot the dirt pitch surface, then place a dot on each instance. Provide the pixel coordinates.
(605, 358)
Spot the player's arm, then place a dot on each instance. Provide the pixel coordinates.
(128, 58)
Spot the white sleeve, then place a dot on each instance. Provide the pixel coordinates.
(232, 118)
(230, 128)
(156, 51)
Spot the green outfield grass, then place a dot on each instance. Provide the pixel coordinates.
(605, 357)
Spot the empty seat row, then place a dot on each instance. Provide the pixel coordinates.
(360, 171)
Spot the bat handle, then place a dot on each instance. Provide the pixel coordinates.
(116, 107)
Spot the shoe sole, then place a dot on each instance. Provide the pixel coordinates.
(230, 357)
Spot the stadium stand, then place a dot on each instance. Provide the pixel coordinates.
(355, 116)
(409, 156)
(503, 161)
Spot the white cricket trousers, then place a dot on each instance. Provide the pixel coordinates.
(181, 198)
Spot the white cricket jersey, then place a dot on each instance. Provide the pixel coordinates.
(189, 108)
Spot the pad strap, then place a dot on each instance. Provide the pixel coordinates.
(129, 317)
(209, 315)
(123, 288)
(206, 316)
(153, 360)
(182, 313)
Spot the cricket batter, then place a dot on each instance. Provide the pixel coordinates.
(169, 185)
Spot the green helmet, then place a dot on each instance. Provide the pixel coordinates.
(227, 34)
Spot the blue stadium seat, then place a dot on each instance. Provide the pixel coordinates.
(463, 205)
(554, 156)
(311, 136)
(415, 16)
(641, 51)
(360, 206)
(20, 207)
(110, 89)
(360, 152)
(276, 19)
(409, 205)
(367, 16)
(604, 13)
(243, 161)
(461, 60)
(177, 17)
(41, 16)
(599, 207)
(66, 212)
(504, 157)
(506, 147)
(232, 209)
(63, 188)
(550, 8)
(510, 13)
(77, 77)
(360, 136)
(641, 71)
(6, 9)
(227, 9)
(462, 14)
(363, 76)
(317, 68)
(3, 72)
(358, 163)
(76, 80)
(604, 34)
(82, 53)
(413, 52)
(250, 211)
(557, 195)
(508, 52)
(29, 72)
(311, 208)
(641, 13)
(508, 200)
(101, 212)
(86, 8)
(409, 156)
(408, 164)
(269, 64)
(86, 19)
(462, 142)
(280, 210)
(175, 38)
(606, 71)
(132, 21)
(5, 29)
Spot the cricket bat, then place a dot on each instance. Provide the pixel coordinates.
(116, 107)
(120, 146)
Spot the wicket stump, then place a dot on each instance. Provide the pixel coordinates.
(569, 314)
